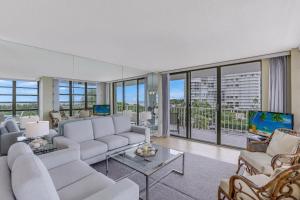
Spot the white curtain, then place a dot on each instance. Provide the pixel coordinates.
(278, 84)
(165, 105)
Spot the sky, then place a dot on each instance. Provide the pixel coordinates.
(131, 94)
(177, 89)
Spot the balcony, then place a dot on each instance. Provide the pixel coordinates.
(234, 125)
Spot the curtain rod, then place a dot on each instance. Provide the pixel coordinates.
(249, 59)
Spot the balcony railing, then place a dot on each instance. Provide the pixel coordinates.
(233, 121)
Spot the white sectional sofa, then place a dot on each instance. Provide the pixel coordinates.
(58, 175)
(99, 136)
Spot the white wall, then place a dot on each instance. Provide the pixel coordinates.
(46, 97)
(295, 86)
(23, 62)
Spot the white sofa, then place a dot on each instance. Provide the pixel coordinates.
(57, 175)
(98, 136)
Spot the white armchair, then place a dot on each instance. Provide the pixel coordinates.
(283, 148)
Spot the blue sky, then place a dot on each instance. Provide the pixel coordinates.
(131, 94)
(177, 89)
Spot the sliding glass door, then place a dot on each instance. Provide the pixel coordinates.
(212, 104)
(131, 99)
(118, 97)
(178, 104)
(241, 92)
(203, 105)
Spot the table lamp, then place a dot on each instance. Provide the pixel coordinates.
(35, 130)
(26, 119)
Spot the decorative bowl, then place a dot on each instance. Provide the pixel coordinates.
(145, 151)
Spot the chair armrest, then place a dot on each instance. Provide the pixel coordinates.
(63, 142)
(7, 139)
(122, 190)
(257, 146)
(281, 160)
(60, 157)
(140, 129)
(242, 185)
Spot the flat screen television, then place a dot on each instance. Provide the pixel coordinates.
(101, 110)
(265, 123)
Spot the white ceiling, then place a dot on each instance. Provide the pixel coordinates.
(154, 35)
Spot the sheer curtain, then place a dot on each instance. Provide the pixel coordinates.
(165, 105)
(278, 84)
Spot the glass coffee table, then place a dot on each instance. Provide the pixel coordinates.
(150, 165)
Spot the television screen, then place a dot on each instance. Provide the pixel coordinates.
(101, 110)
(265, 123)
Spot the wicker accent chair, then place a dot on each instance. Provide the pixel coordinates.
(56, 117)
(281, 149)
(283, 184)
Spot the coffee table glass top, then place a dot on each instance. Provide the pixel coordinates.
(147, 165)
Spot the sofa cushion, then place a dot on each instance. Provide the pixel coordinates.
(103, 126)
(17, 150)
(282, 143)
(11, 126)
(122, 123)
(91, 148)
(69, 173)
(85, 187)
(79, 131)
(114, 141)
(31, 180)
(133, 138)
(261, 161)
(5, 182)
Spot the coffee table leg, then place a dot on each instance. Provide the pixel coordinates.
(106, 172)
(147, 187)
(183, 164)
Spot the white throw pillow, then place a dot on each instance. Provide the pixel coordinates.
(31, 180)
(283, 143)
(56, 115)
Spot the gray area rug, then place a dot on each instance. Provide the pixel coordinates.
(200, 181)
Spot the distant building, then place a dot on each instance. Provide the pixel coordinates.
(239, 91)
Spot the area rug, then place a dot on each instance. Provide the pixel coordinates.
(200, 181)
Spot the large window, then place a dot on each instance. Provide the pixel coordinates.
(129, 97)
(78, 97)
(91, 95)
(75, 96)
(19, 98)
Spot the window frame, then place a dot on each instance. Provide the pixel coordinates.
(71, 94)
(123, 85)
(14, 96)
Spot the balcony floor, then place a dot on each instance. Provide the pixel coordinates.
(231, 138)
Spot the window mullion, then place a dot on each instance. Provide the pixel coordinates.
(14, 99)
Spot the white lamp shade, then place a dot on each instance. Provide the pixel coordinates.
(36, 129)
(27, 119)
